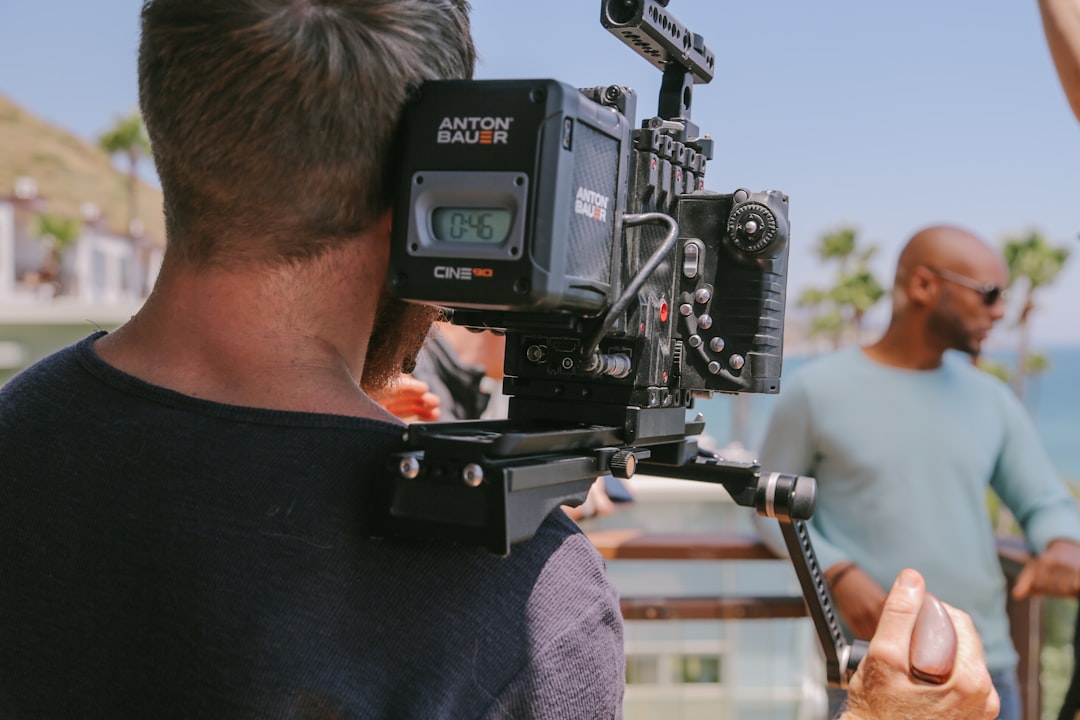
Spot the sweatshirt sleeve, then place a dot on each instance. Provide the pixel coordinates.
(1030, 485)
(579, 674)
(576, 664)
(790, 447)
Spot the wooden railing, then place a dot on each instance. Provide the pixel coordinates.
(1025, 616)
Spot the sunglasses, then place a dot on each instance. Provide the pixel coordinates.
(990, 292)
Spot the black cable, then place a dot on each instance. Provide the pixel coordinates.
(653, 218)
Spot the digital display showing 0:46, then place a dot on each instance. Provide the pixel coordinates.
(471, 225)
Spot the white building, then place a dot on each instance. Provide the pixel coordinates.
(102, 268)
(45, 302)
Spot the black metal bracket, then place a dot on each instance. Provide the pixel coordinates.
(488, 484)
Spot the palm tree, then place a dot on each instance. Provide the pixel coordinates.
(838, 245)
(859, 290)
(1033, 263)
(58, 234)
(828, 320)
(128, 138)
(843, 306)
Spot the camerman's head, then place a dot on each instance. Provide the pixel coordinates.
(949, 288)
(272, 121)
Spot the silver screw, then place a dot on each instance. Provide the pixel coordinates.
(473, 475)
(409, 468)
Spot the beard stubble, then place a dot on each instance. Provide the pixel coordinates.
(400, 330)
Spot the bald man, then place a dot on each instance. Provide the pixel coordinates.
(905, 437)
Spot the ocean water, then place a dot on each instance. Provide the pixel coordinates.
(1052, 398)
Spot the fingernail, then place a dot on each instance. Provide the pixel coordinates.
(908, 579)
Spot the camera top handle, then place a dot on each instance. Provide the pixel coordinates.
(656, 35)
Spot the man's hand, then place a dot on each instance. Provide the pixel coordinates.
(883, 687)
(858, 598)
(1055, 572)
(1061, 21)
(597, 503)
(409, 399)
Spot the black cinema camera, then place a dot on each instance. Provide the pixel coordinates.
(624, 289)
(623, 286)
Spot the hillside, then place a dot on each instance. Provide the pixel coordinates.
(70, 172)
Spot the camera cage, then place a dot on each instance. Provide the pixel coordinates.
(492, 483)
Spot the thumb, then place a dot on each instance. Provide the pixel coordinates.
(899, 613)
(1022, 587)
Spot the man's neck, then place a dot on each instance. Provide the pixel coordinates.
(906, 350)
(292, 337)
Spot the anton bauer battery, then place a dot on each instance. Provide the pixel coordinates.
(514, 192)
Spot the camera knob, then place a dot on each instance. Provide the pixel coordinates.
(623, 464)
(752, 227)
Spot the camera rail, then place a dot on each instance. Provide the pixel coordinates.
(488, 484)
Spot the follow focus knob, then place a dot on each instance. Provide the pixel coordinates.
(752, 227)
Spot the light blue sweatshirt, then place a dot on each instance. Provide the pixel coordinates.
(903, 459)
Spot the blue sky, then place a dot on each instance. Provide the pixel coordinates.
(885, 116)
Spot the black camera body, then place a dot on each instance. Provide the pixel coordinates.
(624, 288)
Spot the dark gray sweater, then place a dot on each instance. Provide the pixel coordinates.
(163, 556)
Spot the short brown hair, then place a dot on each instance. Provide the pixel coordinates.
(274, 119)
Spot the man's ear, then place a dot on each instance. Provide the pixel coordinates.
(922, 286)
(385, 222)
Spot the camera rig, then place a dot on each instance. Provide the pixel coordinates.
(624, 288)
